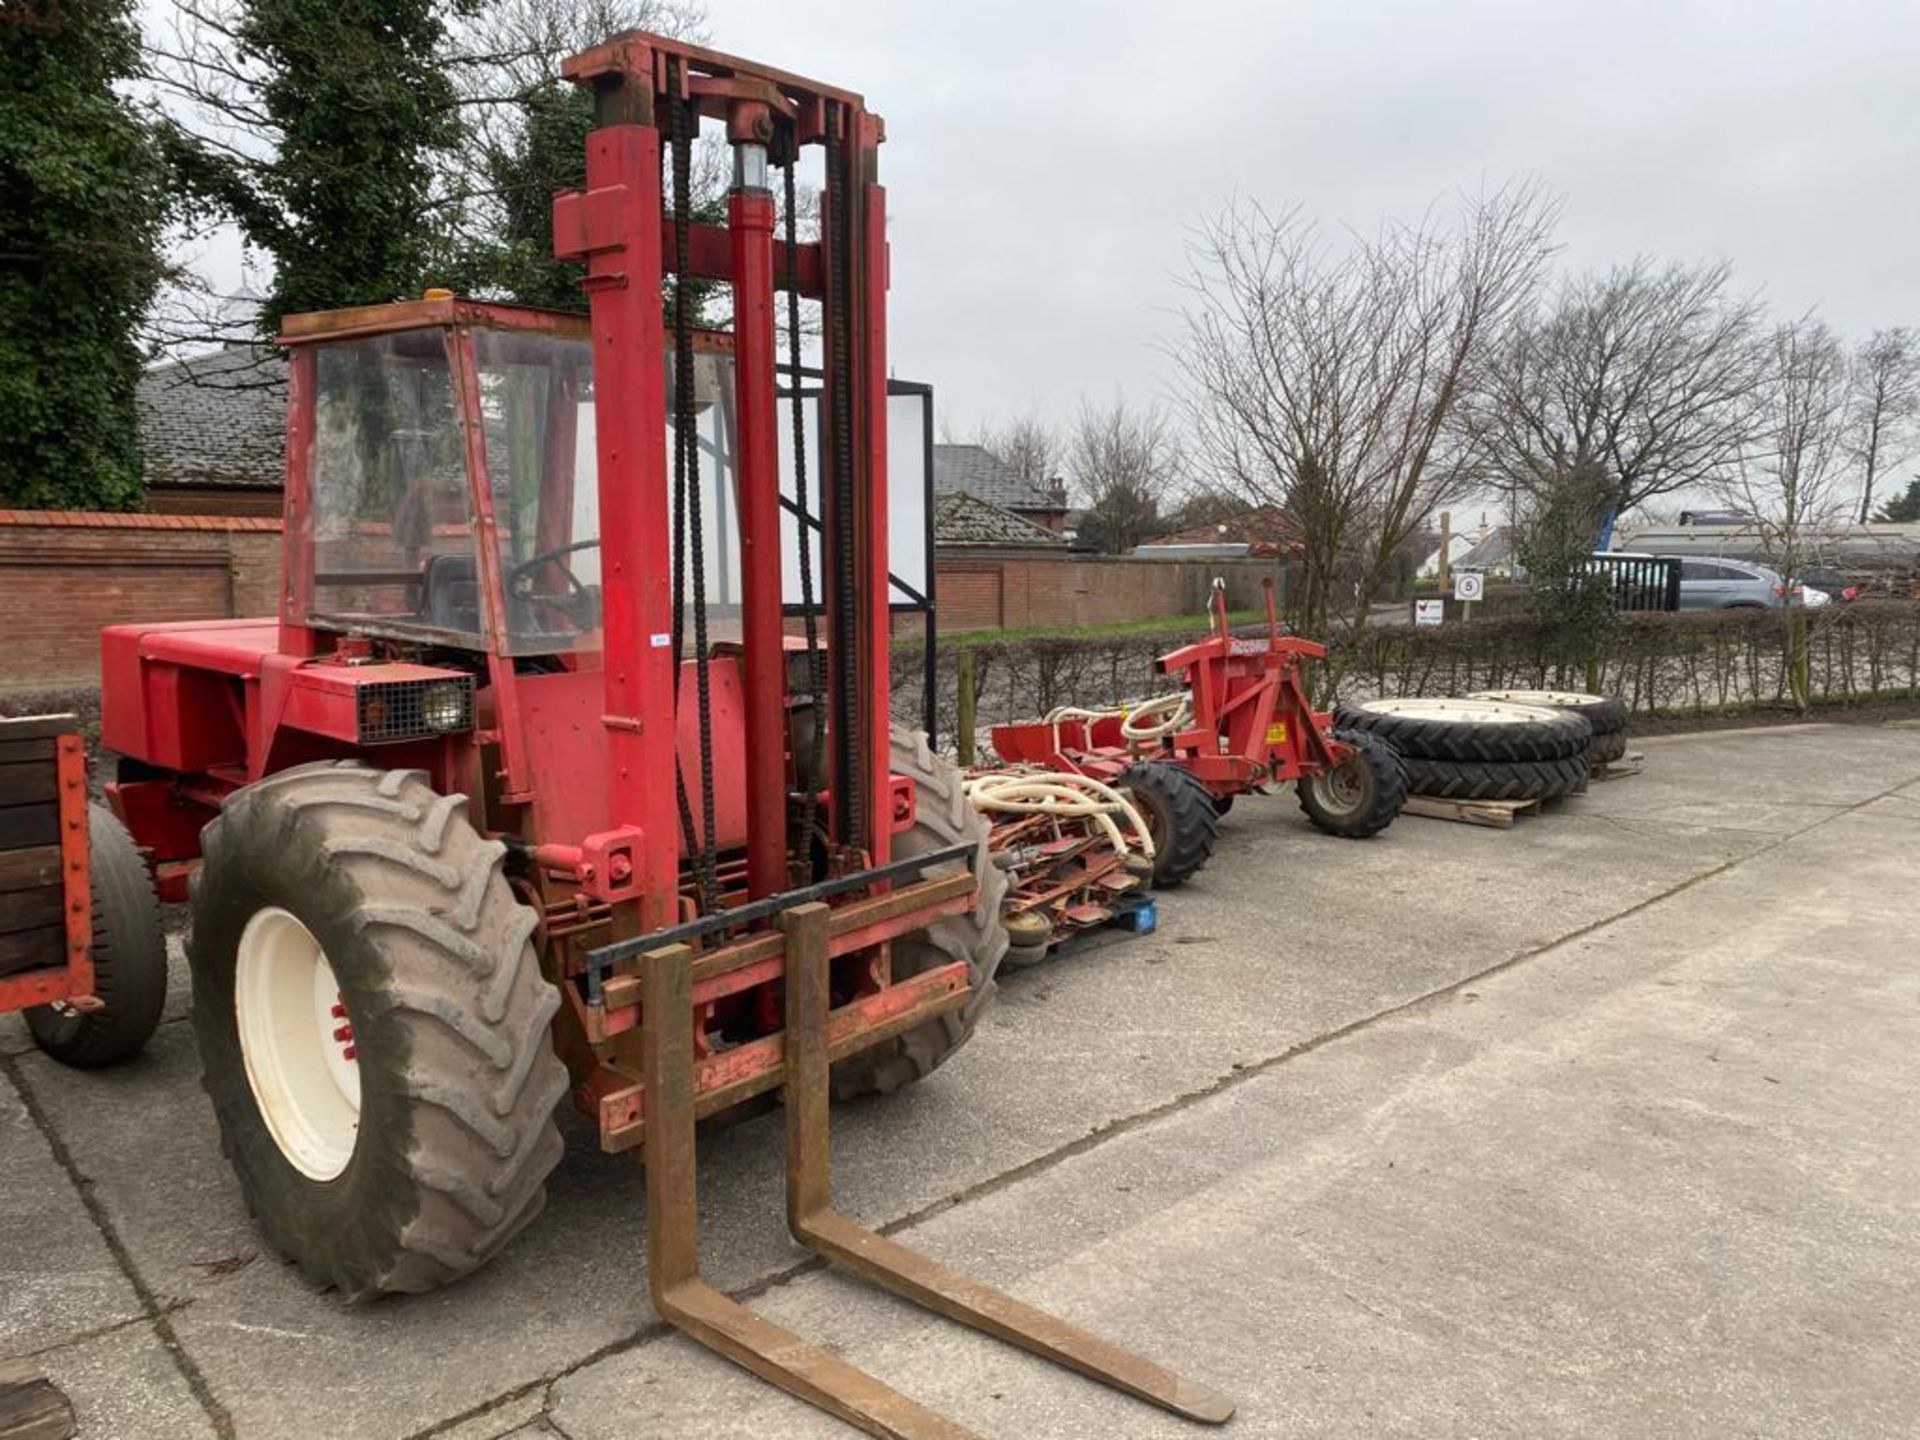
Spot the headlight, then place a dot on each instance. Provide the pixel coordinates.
(444, 706)
(395, 710)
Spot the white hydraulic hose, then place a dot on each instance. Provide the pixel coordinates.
(1135, 720)
(1064, 795)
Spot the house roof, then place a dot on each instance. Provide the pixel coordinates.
(1494, 548)
(963, 519)
(214, 419)
(975, 470)
(1263, 531)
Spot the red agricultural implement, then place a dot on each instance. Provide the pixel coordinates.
(527, 792)
(1241, 721)
(81, 951)
(1076, 855)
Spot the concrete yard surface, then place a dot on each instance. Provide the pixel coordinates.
(1604, 1125)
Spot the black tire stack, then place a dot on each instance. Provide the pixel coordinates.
(1606, 716)
(1479, 749)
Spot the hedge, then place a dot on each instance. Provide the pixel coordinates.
(1667, 664)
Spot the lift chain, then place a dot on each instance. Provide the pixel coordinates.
(816, 681)
(688, 530)
(844, 628)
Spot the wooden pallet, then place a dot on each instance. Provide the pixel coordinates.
(1497, 813)
(31, 1408)
(1627, 764)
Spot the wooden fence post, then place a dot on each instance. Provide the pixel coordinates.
(965, 704)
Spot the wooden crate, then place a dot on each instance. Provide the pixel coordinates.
(31, 1406)
(33, 934)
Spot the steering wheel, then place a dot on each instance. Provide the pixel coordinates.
(579, 605)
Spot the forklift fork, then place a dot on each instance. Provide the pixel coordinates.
(690, 1304)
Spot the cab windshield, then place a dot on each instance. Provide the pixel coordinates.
(393, 530)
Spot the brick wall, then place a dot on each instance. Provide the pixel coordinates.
(64, 575)
(1012, 590)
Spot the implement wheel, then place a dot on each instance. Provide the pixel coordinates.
(942, 818)
(1180, 817)
(1362, 796)
(372, 1025)
(129, 958)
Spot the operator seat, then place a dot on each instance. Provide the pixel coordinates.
(450, 593)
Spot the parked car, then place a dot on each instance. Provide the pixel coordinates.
(1836, 584)
(1739, 585)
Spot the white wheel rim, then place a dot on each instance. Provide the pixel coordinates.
(1538, 697)
(1473, 712)
(298, 1050)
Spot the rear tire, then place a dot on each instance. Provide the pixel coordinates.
(942, 818)
(129, 957)
(1360, 798)
(1180, 816)
(443, 1151)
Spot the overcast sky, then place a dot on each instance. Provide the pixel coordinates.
(1045, 159)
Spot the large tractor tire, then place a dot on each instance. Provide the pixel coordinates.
(1512, 780)
(372, 1025)
(1475, 731)
(978, 937)
(129, 958)
(1606, 715)
(1180, 816)
(1361, 797)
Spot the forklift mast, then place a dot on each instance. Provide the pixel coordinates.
(649, 96)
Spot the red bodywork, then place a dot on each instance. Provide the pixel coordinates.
(1252, 723)
(563, 755)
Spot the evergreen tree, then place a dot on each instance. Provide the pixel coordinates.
(349, 101)
(83, 195)
(1904, 510)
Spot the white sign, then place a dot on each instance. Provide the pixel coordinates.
(1468, 584)
(1429, 612)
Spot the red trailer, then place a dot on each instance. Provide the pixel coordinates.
(1241, 721)
(81, 952)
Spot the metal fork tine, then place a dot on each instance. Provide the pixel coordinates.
(815, 1223)
(686, 1301)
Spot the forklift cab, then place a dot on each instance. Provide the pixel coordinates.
(445, 492)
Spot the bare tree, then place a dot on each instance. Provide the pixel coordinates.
(1124, 464)
(1327, 381)
(1792, 479)
(1628, 385)
(1884, 399)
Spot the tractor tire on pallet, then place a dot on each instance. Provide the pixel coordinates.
(1360, 798)
(1180, 817)
(1475, 731)
(1606, 714)
(129, 958)
(1608, 748)
(1512, 780)
(978, 937)
(373, 1027)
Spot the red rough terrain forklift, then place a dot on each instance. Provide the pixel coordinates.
(489, 814)
(1241, 721)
